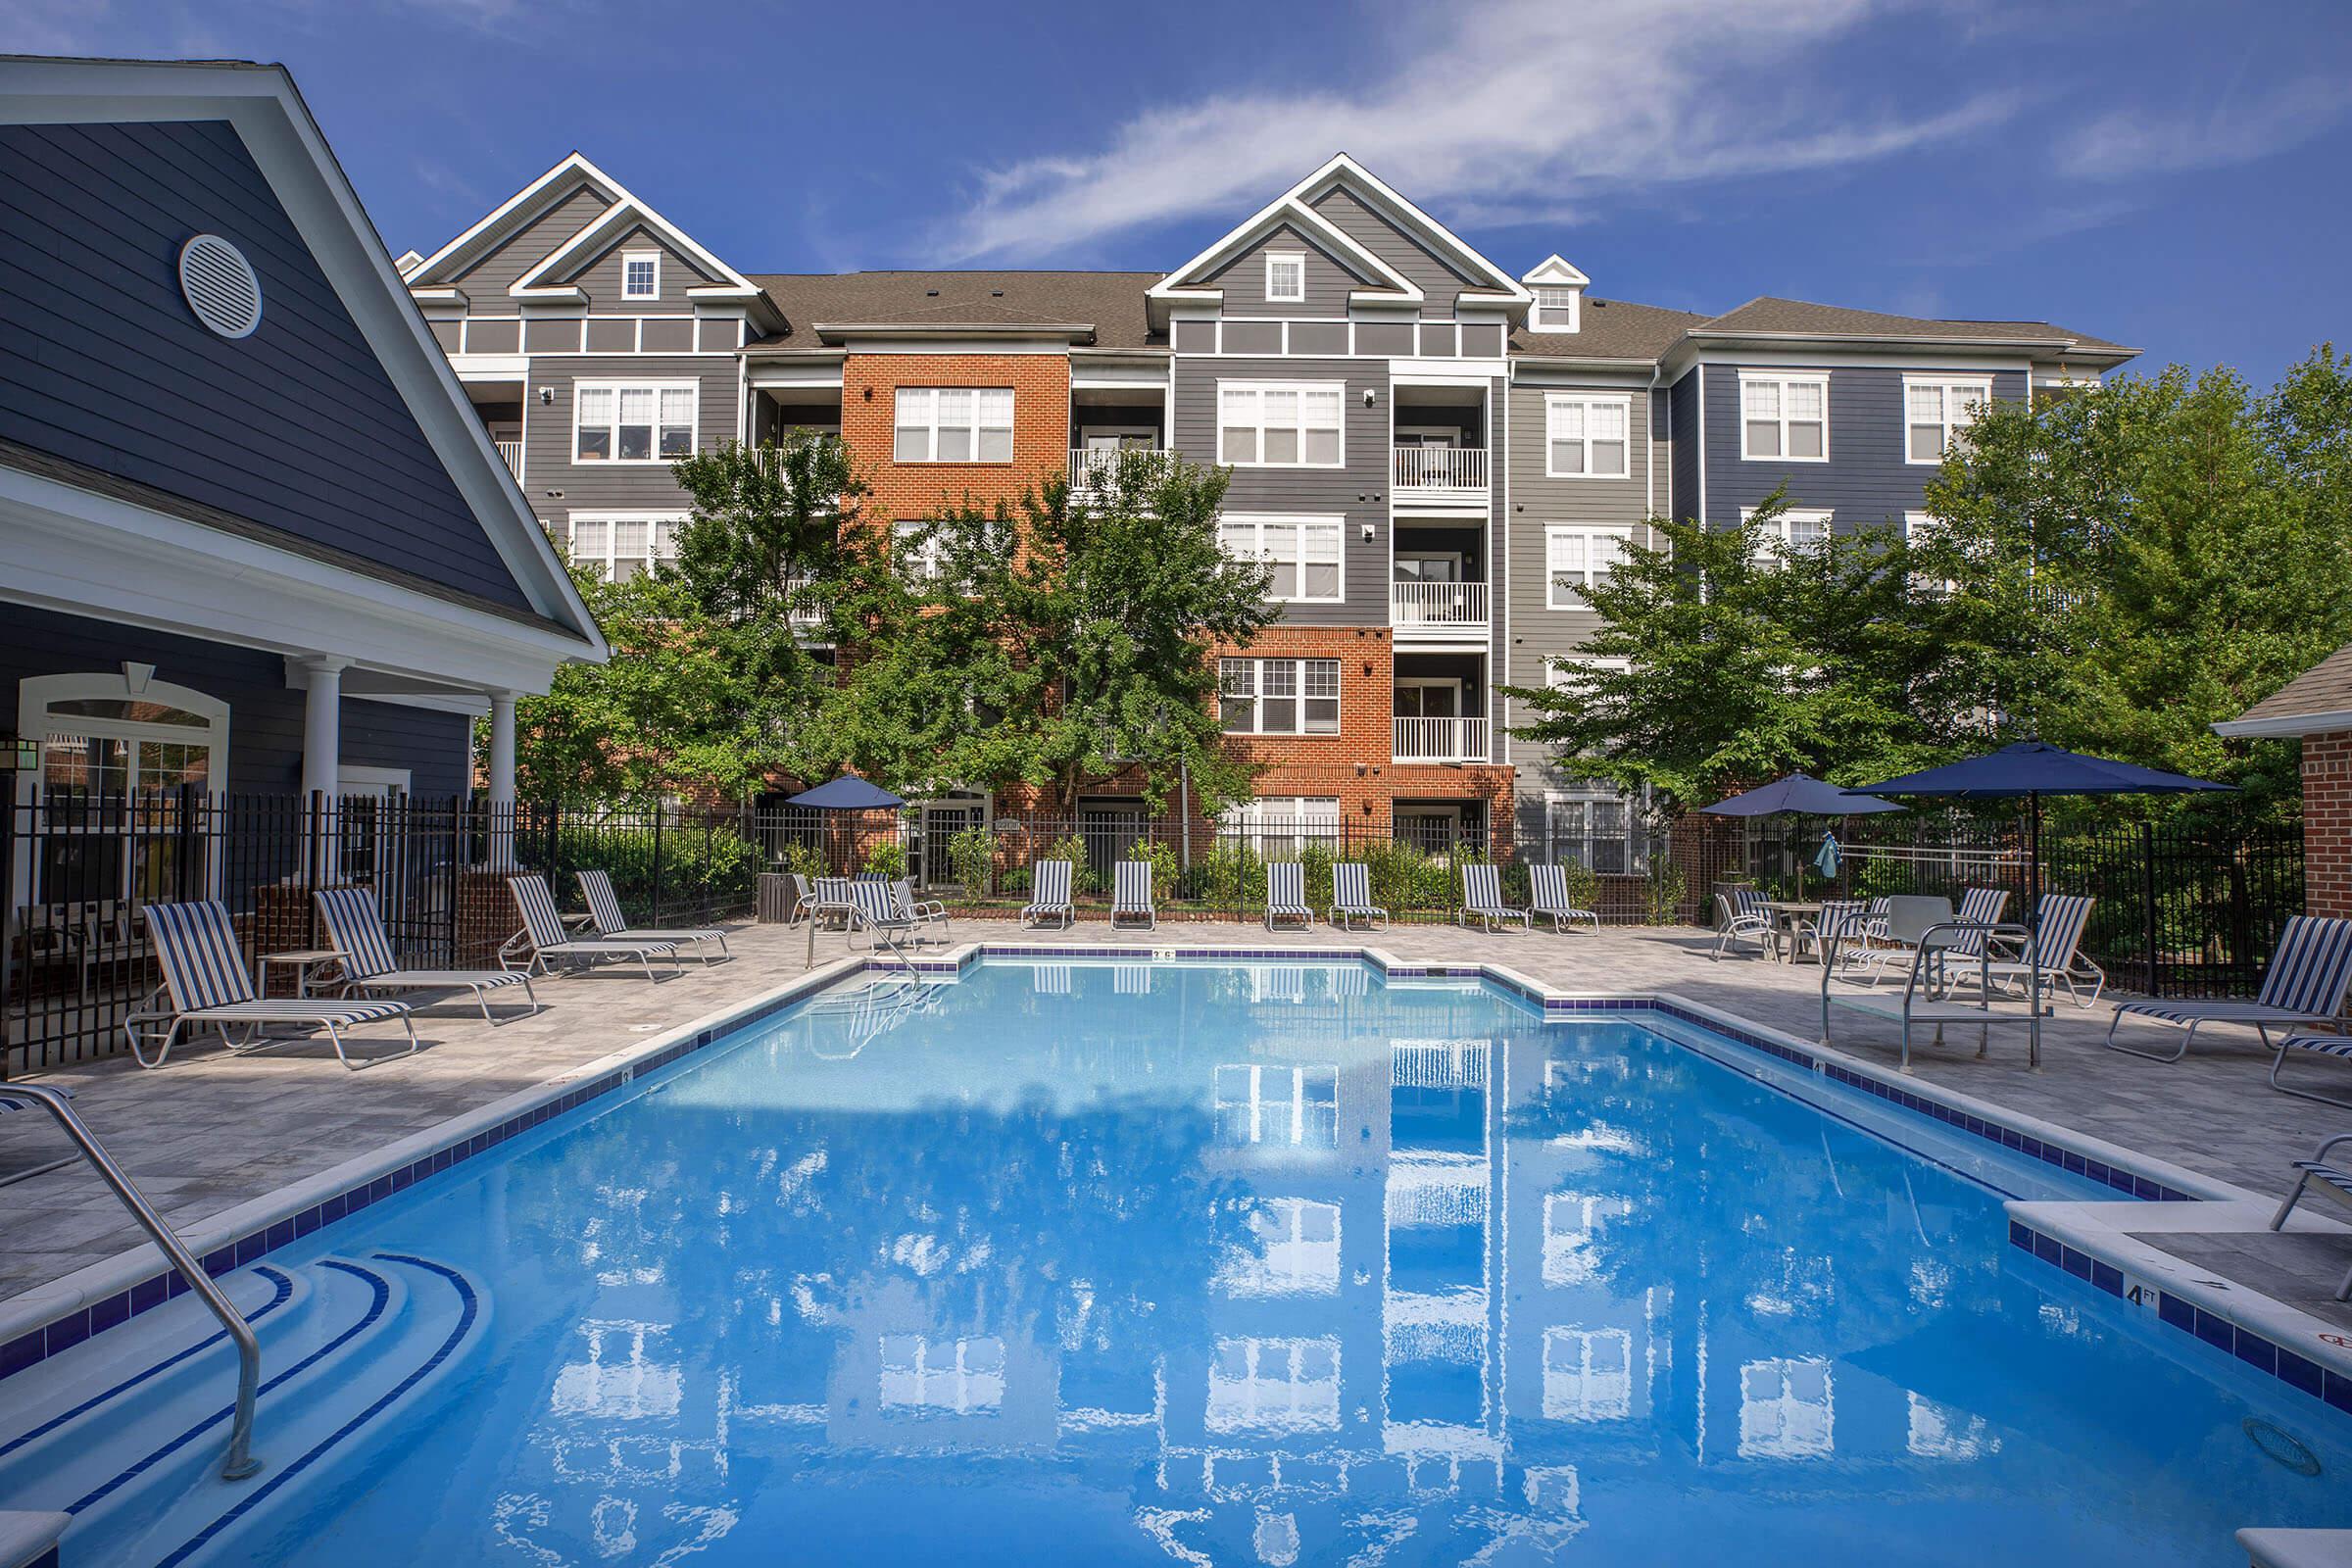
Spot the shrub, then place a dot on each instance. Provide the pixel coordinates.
(1663, 890)
(1168, 874)
(1071, 848)
(971, 860)
(1584, 884)
(887, 856)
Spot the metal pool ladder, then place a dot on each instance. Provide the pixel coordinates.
(240, 1461)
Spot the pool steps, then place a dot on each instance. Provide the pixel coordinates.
(124, 1432)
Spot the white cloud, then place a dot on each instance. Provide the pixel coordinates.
(2174, 141)
(1509, 110)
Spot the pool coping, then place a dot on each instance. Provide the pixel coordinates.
(2078, 1238)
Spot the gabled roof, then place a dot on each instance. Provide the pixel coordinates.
(1553, 270)
(2317, 702)
(619, 221)
(1293, 208)
(568, 174)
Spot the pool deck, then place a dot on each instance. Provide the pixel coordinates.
(211, 1131)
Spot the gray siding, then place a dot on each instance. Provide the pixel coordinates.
(487, 280)
(1436, 278)
(296, 428)
(613, 487)
(1339, 492)
(1244, 279)
(601, 278)
(1682, 473)
(1866, 480)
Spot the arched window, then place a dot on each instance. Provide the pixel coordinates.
(114, 752)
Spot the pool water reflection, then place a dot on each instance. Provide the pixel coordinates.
(1271, 1264)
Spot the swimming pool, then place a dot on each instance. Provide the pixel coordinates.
(1191, 1262)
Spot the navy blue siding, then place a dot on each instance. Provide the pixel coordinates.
(296, 428)
(1866, 480)
(265, 716)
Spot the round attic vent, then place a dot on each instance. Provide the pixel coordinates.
(219, 285)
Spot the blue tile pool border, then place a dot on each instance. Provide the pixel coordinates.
(61, 1332)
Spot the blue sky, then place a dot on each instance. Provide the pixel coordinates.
(2171, 176)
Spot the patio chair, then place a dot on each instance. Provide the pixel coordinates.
(543, 933)
(1981, 911)
(1548, 886)
(1482, 895)
(604, 907)
(924, 912)
(206, 983)
(2305, 983)
(1352, 898)
(1839, 919)
(831, 901)
(2338, 1045)
(1285, 895)
(1738, 913)
(1131, 894)
(355, 929)
(2329, 1178)
(1891, 935)
(803, 896)
(2056, 949)
(1050, 895)
(876, 910)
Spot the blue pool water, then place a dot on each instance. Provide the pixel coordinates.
(1232, 1265)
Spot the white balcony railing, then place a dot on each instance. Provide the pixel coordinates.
(1441, 740)
(1092, 469)
(1436, 604)
(1441, 468)
(511, 451)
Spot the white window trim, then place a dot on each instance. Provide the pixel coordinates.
(610, 519)
(35, 723)
(1636, 859)
(1552, 588)
(1258, 699)
(1263, 387)
(694, 422)
(1824, 515)
(1589, 400)
(1251, 817)
(933, 426)
(1260, 522)
(1783, 380)
(1538, 322)
(626, 257)
(917, 563)
(1952, 425)
(1273, 259)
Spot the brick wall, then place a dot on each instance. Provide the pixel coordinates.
(905, 491)
(2328, 823)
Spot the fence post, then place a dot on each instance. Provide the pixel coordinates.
(656, 917)
(2147, 863)
(315, 869)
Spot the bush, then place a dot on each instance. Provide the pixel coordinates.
(973, 860)
(1583, 885)
(802, 858)
(1071, 848)
(1168, 875)
(1663, 890)
(1317, 859)
(1404, 880)
(887, 856)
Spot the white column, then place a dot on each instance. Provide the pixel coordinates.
(322, 724)
(502, 780)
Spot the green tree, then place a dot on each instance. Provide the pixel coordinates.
(1062, 640)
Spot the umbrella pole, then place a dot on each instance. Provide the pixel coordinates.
(2033, 929)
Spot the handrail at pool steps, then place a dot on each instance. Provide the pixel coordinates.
(239, 1462)
(1928, 960)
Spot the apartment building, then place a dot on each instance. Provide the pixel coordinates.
(1437, 455)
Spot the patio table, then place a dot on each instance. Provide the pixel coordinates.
(1790, 914)
(304, 961)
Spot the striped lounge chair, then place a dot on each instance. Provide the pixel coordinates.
(206, 983)
(876, 910)
(543, 933)
(604, 907)
(2329, 1179)
(2317, 1045)
(1131, 894)
(1548, 886)
(1482, 897)
(355, 929)
(922, 911)
(1352, 898)
(2058, 951)
(1050, 895)
(1285, 895)
(2305, 983)
(1740, 913)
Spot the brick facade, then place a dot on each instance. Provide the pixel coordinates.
(907, 491)
(2328, 823)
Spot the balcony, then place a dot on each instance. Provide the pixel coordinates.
(512, 452)
(1093, 469)
(1440, 740)
(1438, 477)
(1438, 611)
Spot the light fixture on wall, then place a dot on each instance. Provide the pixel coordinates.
(135, 678)
(1368, 397)
(1367, 533)
(547, 396)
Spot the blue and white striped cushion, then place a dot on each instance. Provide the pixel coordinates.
(1549, 886)
(197, 945)
(603, 907)
(356, 930)
(2063, 916)
(2312, 968)
(2334, 1175)
(1482, 888)
(876, 903)
(1353, 885)
(1133, 885)
(1286, 888)
(1978, 906)
(537, 907)
(1052, 885)
(2323, 1045)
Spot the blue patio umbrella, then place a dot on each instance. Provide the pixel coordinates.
(1800, 795)
(847, 793)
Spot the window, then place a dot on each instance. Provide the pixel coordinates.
(1924, 530)
(641, 274)
(619, 548)
(1274, 424)
(1274, 1385)
(1786, 1409)
(1587, 1374)
(1286, 1107)
(965, 1377)
(1556, 308)
(1286, 278)
(1279, 697)
(1794, 532)
(1279, 826)
(1785, 417)
(634, 423)
(1592, 825)
(1579, 558)
(1586, 437)
(112, 763)
(1304, 555)
(954, 425)
(1935, 411)
(1294, 1250)
(919, 550)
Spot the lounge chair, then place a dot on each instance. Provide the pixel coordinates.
(1738, 913)
(803, 896)
(355, 929)
(1839, 919)
(1890, 936)
(613, 926)
(1482, 895)
(1131, 894)
(1352, 898)
(1548, 886)
(2329, 1178)
(2056, 949)
(2305, 983)
(876, 910)
(206, 983)
(1980, 912)
(831, 901)
(544, 935)
(2318, 1045)
(924, 912)
(1285, 895)
(1050, 895)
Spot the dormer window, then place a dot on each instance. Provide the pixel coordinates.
(1555, 310)
(1286, 278)
(641, 274)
